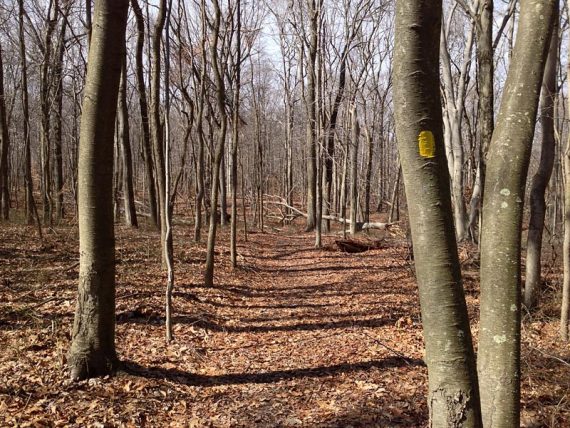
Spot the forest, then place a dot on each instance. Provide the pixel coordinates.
(279, 213)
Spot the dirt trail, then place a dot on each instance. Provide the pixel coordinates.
(294, 337)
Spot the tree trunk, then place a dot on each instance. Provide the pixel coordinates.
(146, 140)
(507, 167)
(331, 132)
(58, 125)
(92, 351)
(168, 239)
(30, 203)
(312, 119)
(394, 215)
(354, 171)
(454, 111)
(258, 154)
(125, 142)
(453, 392)
(88, 22)
(45, 140)
(221, 99)
(289, 153)
(542, 177)
(235, 140)
(156, 125)
(565, 307)
(485, 102)
(200, 164)
(343, 187)
(368, 180)
(4, 148)
(223, 193)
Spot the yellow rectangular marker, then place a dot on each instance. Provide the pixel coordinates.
(426, 143)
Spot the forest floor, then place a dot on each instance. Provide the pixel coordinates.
(294, 337)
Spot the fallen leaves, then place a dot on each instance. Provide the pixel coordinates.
(294, 337)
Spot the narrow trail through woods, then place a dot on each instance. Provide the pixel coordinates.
(300, 336)
(295, 336)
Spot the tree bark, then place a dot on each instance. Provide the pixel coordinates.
(223, 193)
(453, 392)
(235, 139)
(368, 179)
(485, 102)
(92, 351)
(221, 100)
(312, 119)
(143, 104)
(156, 125)
(454, 111)
(394, 214)
(58, 125)
(331, 132)
(30, 203)
(507, 167)
(88, 22)
(542, 177)
(354, 171)
(4, 148)
(45, 140)
(200, 164)
(167, 203)
(125, 142)
(565, 307)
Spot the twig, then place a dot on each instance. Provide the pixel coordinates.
(546, 354)
(399, 354)
(73, 266)
(37, 305)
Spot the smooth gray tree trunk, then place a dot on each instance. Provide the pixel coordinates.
(542, 176)
(125, 142)
(235, 140)
(485, 102)
(453, 394)
(565, 307)
(4, 148)
(30, 202)
(219, 152)
(143, 106)
(92, 352)
(156, 125)
(312, 113)
(354, 171)
(45, 103)
(507, 167)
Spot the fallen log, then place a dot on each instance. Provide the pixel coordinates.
(352, 246)
(359, 225)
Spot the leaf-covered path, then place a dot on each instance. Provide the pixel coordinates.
(294, 337)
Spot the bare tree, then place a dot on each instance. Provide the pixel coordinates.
(92, 351)
(126, 155)
(453, 395)
(156, 123)
(30, 203)
(143, 106)
(219, 151)
(454, 102)
(235, 136)
(45, 98)
(4, 147)
(542, 176)
(498, 358)
(58, 125)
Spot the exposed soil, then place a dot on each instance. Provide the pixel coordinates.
(294, 337)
